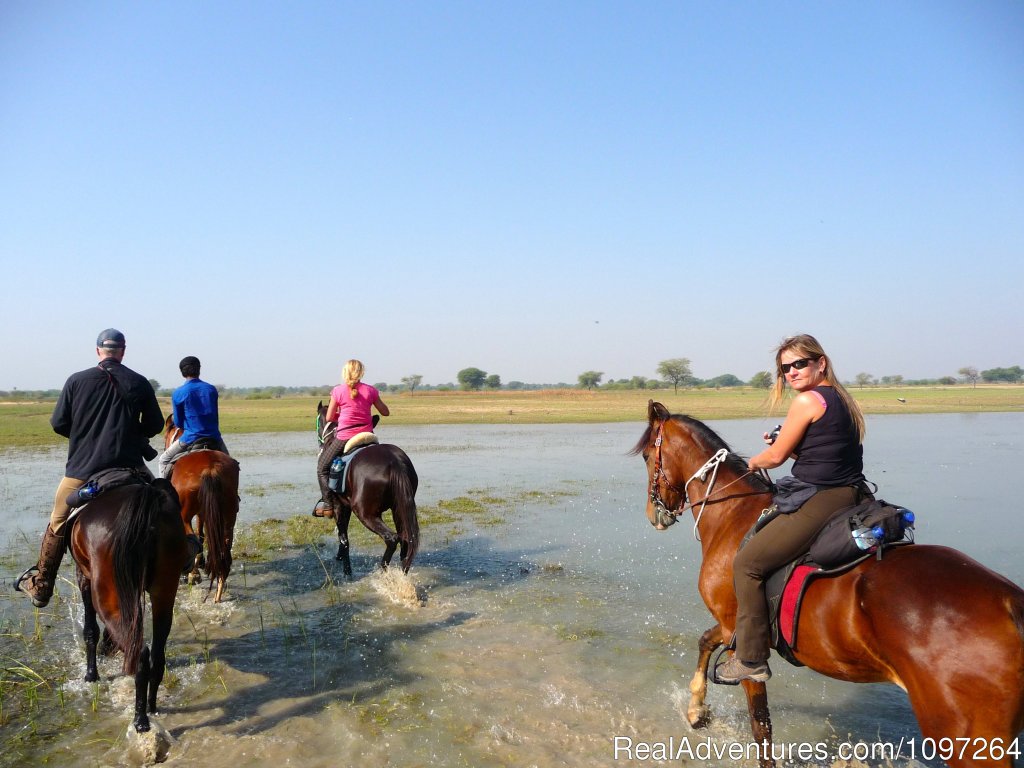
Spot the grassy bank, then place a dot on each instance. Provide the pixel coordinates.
(27, 424)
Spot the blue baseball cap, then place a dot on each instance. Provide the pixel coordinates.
(110, 339)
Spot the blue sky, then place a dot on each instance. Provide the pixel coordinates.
(536, 189)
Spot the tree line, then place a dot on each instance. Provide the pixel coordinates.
(674, 372)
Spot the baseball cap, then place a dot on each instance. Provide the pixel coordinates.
(110, 339)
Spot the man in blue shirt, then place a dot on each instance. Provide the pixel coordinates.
(194, 408)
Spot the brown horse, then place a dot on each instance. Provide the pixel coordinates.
(929, 619)
(380, 477)
(207, 484)
(126, 542)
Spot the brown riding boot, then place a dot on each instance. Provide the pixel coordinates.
(39, 585)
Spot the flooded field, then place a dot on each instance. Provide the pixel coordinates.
(544, 621)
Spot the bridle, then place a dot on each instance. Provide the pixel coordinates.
(324, 430)
(666, 516)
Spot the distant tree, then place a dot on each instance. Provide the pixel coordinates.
(969, 373)
(155, 385)
(676, 370)
(864, 379)
(725, 380)
(412, 381)
(891, 381)
(761, 380)
(515, 385)
(1011, 375)
(493, 381)
(471, 378)
(590, 379)
(947, 381)
(638, 382)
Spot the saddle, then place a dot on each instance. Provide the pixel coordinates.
(106, 480)
(351, 450)
(784, 590)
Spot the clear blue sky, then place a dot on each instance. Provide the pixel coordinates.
(536, 189)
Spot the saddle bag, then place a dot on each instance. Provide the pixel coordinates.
(866, 527)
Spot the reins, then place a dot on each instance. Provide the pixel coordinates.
(668, 516)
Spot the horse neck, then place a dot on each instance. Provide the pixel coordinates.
(733, 505)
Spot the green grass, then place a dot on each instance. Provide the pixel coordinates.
(27, 424)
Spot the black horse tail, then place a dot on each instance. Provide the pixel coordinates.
(133, 544)
(403, 496)
(218, 509)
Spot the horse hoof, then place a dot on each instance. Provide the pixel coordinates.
(142, 726)
(91, 677)
(699, 718)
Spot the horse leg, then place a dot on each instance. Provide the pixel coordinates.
(376, 524)
(760, 720)
(141, 720)
(90, 630)
(107, 645)
(162, 620)
(697, 713)
(343, 513)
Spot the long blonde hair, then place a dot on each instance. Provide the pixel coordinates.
(806, 345)
(351, 375)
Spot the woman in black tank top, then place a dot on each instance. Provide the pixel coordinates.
(823, 432)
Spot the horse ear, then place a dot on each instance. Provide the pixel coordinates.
(656, 412)
(169, 421)
(320, 405)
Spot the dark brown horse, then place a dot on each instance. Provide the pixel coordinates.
(380, 477)
(929, 619)
(207, 485)
(126, 542)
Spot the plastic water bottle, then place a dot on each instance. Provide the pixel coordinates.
(87, 492)
(334, 478)
(866, 538)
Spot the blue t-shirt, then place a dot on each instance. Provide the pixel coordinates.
(195, 410)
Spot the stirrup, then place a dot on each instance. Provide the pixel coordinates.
(26, 575)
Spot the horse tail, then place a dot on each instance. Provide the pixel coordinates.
(403, 496)
(217, 501)
(133, 539)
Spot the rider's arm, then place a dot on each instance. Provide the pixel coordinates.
(806, 408)
(379, 405)
(332, 411)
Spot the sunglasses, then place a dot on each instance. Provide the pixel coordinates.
(799, 365)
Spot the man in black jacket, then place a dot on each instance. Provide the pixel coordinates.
(108, 412)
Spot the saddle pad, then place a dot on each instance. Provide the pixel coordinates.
(790, 603)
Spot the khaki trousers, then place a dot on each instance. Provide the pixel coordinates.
(61, 510)
(784, 539)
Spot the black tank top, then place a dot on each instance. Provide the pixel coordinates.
(830, 453)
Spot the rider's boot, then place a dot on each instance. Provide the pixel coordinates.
(38, 581)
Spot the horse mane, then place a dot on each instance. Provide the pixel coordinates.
(710, 441)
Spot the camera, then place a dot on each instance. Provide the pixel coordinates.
(773, 435)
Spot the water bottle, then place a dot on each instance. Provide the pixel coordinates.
(334, 478)
(87, 492)
(866, 538)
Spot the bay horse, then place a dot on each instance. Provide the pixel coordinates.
(380, 477)
(126, 542)
(207, 485)
(941, 626)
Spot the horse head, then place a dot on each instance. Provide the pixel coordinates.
(171, 432)
(685, 459)
(324, 429)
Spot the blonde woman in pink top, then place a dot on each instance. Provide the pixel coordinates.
(350, 406)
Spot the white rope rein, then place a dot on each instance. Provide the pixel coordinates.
(711, 465)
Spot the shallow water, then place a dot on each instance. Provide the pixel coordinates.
(534, 635)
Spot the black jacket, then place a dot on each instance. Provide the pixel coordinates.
(107, 425)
